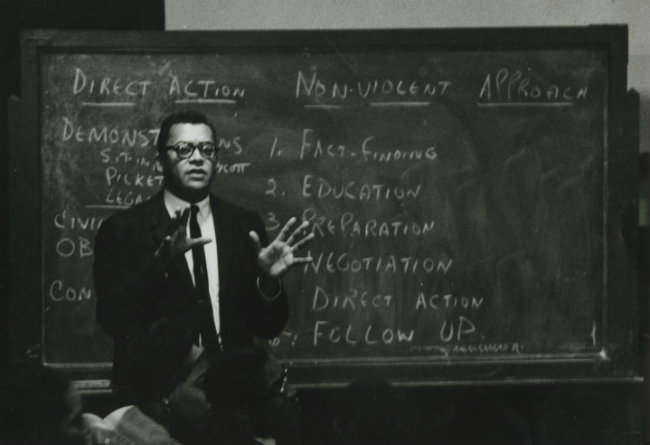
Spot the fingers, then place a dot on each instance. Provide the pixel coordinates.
(163, 254)
(302, 242)
(175, 221)
(180, 219)
(285, 229)
(299, 229)
(193, 242)
(166, 243)
(256, 240)
(302, 260)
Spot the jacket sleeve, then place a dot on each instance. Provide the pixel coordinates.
(127, 279)
(268, 318)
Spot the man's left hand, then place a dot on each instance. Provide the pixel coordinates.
(278, 257)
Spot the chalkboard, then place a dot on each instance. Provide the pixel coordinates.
(459, 183)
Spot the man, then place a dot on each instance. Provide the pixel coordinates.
(189, 264)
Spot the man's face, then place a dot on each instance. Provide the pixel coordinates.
(190, 176)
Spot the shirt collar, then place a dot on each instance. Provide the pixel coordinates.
(173, 203)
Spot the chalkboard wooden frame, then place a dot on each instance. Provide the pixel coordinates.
(617, 361)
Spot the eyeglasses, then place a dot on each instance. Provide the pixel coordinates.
(185, 150)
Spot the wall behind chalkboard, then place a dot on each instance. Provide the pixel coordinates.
(458, 192)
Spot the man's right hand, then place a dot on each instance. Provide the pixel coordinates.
(178, 242)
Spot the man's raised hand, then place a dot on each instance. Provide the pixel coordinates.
(278, 257)
(177, 242)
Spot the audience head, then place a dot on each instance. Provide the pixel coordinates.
(370, 413)
(39, 406)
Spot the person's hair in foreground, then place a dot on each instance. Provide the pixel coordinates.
(39, 405)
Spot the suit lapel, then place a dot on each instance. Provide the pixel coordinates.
(160, 222)
(224, 230)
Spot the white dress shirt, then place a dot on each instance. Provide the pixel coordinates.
(206, 223)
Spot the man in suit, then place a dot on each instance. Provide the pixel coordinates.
(188, 265)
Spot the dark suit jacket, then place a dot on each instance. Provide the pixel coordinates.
(147, 309)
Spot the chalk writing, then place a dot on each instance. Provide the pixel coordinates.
(352, 300)
(314, 148)
(515, 86)
(397, 154)
(471, 348)
(320, 188)
(109, 155)
(113, 176)
(446, 301)
(272, 222)
(287, 336)
(458, 329)
(485, 348)
(332, 262)
(80, 246)
(235, 168)
(124, 197)
(63, 220)
(272, 186)
(203, 88)
(130, 137)
(350, 334)
(58, 291)
(315, 86)
(230, 144)
(432, 216)
(107, 86)
(348, 225)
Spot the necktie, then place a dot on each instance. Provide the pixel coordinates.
(201, 286)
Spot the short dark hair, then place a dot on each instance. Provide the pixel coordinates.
(33, 403)
(181, 117)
